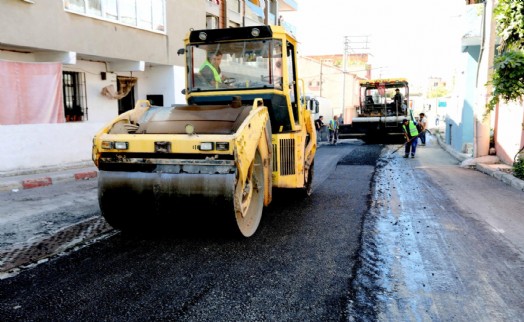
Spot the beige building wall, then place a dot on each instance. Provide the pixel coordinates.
(322, 79)
(509, 130)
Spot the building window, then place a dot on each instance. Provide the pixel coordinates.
(74, 92)
(144, 14)
(94, 7)
(211, 22)
(127, 13)
(111, 10)
(78, 6)
(234, 5)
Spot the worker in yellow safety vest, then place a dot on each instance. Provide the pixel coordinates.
(210, 69)
(411, 135)
(333, 130)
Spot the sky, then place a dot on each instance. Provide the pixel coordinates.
(415, 39)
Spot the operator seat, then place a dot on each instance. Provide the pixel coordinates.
(368, 106)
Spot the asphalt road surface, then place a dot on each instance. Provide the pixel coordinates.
(298, 266)
(440, 243)
(382, 238)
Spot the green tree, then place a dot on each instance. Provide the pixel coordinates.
(508, 69)
(439, 91)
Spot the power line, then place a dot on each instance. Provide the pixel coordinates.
(360, 42)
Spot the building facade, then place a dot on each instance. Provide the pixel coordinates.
(325, 76)
(68, 67)
(468, 128)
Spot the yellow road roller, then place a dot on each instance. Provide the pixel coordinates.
(246, 129)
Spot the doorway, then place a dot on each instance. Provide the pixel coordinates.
(127, 102)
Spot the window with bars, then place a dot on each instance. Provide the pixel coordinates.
(144, 14)
(74, 93)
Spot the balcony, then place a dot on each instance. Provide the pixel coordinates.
(255, 9)
(213, 7)
(471, 25)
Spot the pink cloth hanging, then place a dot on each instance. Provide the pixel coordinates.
(31, 93)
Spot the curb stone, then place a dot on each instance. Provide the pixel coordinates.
(507, 178)
(24, 182)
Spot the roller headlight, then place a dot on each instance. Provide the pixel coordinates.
(110, 145)
(107, 145)
(121, 145)
(206, 146)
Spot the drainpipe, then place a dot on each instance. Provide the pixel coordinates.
(244, 13)
(223, 13)
(266, 12)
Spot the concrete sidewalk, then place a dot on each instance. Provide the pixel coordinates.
(29, 179)
(490, 165)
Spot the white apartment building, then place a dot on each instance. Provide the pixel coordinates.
(67, 67)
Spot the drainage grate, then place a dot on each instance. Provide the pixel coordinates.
(61, 241)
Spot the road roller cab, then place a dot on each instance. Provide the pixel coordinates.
(243, 132)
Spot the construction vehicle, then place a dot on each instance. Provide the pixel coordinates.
(241, 134)
(384, 103)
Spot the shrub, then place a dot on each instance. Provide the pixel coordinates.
(518, 166)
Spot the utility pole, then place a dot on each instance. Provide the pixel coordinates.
(352, 44)
(344, 71)
(321, 64)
